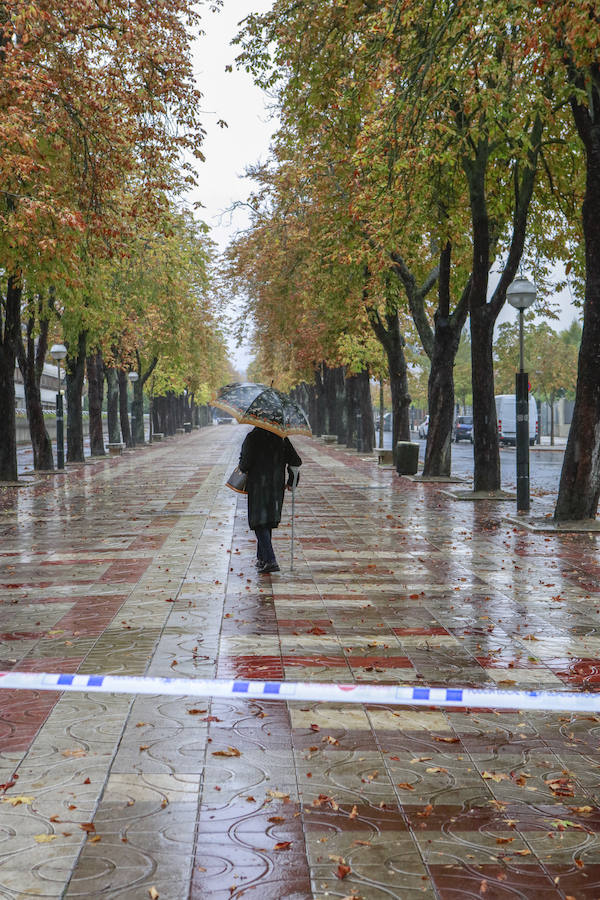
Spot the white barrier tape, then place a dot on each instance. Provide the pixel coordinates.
(396, 695)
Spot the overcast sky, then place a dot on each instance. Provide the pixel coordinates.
(232, 96)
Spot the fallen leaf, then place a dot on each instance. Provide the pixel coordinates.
(231, 751)
(74, 753)
(523, 852)
(276, 820)
(436, 770)
(495, 776)
(501, 840)
(195, 712)
(153, 893)
(88, 827)
(44, 838)
(16, 801)
(426, 811)
(95, 839)
(283, 845)
(353, 813)
(278, 795)
(447, 740)
(343, 871)
(405, 786)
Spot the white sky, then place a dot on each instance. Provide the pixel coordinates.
(234, 97)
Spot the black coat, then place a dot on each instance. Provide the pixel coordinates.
(264, 457)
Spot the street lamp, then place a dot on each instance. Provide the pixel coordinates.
(58, 352)
(521, 294)
(133, 377)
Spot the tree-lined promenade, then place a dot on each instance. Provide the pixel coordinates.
(425, 155)
(98, 123)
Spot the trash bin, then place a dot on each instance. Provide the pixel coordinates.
(188, 427)
(407, 458)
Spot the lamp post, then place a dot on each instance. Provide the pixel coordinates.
(58, 352)
(521, 294)
(133, 377)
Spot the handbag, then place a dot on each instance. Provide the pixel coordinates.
(237, 481)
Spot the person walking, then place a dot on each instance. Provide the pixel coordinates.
(264, 457)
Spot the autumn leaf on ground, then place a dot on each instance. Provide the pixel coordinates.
(495, 776)
(283, 845)
(195, 712)
(231, 751)
(325, 800)
(88, 827)
(405, 786)
(276, 820)
(278, 795)
(353, 813)
(16, 801)
(446, 740)
(426, 811)
(44, 838)
(342, 871)
(75, 753)
(153, 893)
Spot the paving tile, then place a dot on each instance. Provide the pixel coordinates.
(149, 569)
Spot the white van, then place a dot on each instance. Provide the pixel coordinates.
(506, 415)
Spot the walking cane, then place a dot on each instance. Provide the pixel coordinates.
(295, 472)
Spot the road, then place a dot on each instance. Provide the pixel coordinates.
(544, 465)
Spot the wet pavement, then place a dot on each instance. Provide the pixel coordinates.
(144, 565)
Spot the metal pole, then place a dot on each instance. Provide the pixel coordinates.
(133, 418)
(522, 416)
(60, 437)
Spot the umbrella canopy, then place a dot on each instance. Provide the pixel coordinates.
(265, 407)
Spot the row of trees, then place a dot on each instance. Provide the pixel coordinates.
(424, 155)
(98, 127)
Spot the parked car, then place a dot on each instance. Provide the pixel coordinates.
(506, 413)
(463, 429)
(387, 422)
(224, 419)
(423, 428)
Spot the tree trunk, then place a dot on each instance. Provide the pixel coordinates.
(440, 393)
(486, 452)
(157, 415)
(75, 368)
(446, 338)
(366, 425)
(123, 407)
(579, 488)
(552, 423)
(10, 326)
(319, 426)
(112, 404)
(95, 375)
(138, 412)
(170, 413)
(31, 357)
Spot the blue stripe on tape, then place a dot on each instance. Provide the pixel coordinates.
(241, 687)
(454, 695)
(95, 680)
(272, 687)
(420, 693)
(66, 679)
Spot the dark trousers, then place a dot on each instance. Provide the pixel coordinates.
(264, 549)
